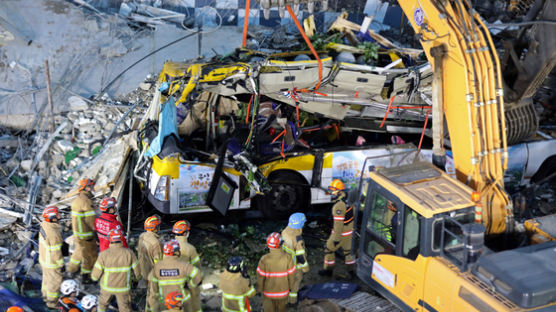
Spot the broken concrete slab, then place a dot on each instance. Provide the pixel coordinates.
(6, 221)
(77, 104)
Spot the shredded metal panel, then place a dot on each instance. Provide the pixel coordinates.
(365, 302)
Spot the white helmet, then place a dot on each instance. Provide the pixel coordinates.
(88, 302)
(69, 286)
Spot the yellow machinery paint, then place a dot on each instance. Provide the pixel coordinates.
(472, 98)
(296, 163)
(427, 283)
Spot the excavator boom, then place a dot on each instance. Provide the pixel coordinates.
(468, 91)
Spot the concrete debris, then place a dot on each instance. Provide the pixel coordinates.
(77, 104)
(6, 221)
(145, 86)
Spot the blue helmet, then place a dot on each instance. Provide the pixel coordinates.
(297, 220)
(235, 264)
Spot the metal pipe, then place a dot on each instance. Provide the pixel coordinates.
(49, 92)
(129, 204)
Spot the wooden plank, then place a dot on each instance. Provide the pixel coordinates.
(341, 24)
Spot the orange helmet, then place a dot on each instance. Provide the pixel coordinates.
(84, 183)
(50, 213)
(181, 227)
(152, 223)
(273, 240)
(171, 247)
(14, 309)
(115, 236)
(336, 186)
(107, 203)
(174, 300)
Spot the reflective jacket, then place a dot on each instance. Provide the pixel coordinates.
(295, 246)
(173, 274)
(275, 274)
(50, 246)
(103, 225)
(149, 251)
(343, 220)
(235, 291)
(188, 251)
(83, 216)
(114, 266)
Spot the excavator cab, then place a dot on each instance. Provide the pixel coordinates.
(419, 245)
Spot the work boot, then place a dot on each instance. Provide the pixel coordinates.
(325, 272)
(86, 279)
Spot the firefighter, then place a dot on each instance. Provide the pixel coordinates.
(341, 234)
(173, 274)
(174, 301)
(149, 247)
(275, 276)
(50, 256)
(89, 303)
(236, 287)
(83, 224)
(149, 250)
(113, 269)
(294, 245)
(188, 253)
(69, 301)
(107, 222)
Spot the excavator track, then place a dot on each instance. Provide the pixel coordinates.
(365, 302)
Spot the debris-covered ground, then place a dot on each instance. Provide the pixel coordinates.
(104, 78)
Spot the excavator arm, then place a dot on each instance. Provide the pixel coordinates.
(468, 90)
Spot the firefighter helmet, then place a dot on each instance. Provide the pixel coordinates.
(336, 186)
(115, 236)
(50, 213)
(297, 220)
(174, 300)
(107, 203)
(273, 240)
(14, 309)
(84, 183)
(88, 302)
(69, 286)
(171, 247)
(152, 223)
(181, 227)
(235, 264)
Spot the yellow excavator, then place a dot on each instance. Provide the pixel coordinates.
(421, 234)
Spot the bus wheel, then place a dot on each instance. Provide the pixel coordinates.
(289, 194)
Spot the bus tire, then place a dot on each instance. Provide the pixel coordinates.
(292, 195)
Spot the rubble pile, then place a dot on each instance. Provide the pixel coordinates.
(87, 136)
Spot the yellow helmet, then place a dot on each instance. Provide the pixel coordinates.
(336, 186)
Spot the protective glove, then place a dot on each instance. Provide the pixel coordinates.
(292, 300)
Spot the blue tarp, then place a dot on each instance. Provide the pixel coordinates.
(330, 290)
(167, 125)
(9, 298)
